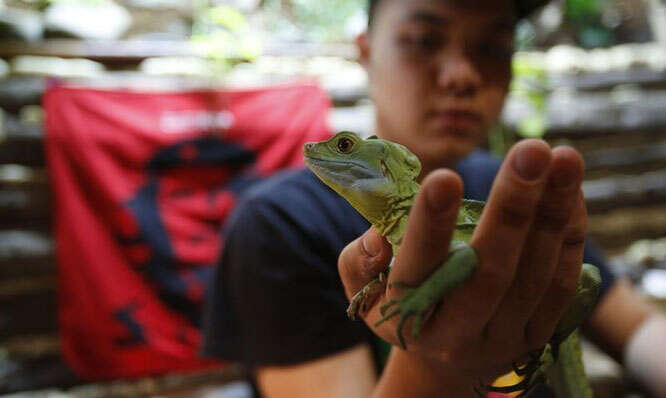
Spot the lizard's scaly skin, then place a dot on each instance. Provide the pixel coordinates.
(377, 177)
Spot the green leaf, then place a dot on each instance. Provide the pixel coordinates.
(227, 17)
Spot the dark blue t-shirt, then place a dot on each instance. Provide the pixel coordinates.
(277, 298)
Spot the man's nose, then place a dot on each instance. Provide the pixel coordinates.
(458, 74)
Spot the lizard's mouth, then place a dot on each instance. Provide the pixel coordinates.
(327, 166)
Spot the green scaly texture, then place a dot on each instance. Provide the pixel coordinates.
(378, 178)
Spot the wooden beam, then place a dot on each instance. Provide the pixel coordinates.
(135, 51)
(645, 77)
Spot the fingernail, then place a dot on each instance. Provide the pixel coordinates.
(439, 198)
(371, 244)
(531, 161)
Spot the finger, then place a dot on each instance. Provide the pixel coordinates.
(424, 246)
(562, 287)
(362, 260)
(431, 223)
(500, 235)
(542, 248)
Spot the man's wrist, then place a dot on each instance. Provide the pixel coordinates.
(410, 374)
(645, 352)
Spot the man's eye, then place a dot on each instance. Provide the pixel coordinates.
(428, 42)
(495, 50)
(421, 41)
(345, 145)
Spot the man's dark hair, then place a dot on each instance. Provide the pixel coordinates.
(523, 7)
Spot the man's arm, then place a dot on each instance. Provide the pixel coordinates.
(617, 316)
(618, 326)
(350, 373)
(409, 375)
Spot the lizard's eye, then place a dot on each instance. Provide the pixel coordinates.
(345, 145)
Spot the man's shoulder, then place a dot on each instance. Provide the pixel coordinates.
(286, 185)
(295, 191)
(282, 242)
(298, 198)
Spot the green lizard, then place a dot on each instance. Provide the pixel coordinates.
(377, 177)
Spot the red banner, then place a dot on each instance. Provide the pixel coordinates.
(142, 183)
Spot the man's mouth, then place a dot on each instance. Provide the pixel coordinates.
(456, 119)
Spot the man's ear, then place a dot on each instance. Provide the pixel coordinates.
(363, 46)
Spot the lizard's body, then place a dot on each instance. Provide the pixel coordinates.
(377, 177)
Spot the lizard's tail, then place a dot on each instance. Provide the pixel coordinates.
(567, 375)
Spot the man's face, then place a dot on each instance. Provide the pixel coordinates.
(438, 72)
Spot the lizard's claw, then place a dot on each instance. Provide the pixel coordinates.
(530, 367)
(479, 393)
(533, 374)
(418, 302)
(365, 296)
(415, 303)
(525, 386)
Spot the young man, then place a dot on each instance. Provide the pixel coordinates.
(438, 72)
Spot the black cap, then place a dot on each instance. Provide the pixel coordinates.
(523, 7)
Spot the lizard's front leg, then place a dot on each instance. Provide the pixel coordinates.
(366, 295)
(417, 302)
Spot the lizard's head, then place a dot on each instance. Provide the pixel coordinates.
(368, 173)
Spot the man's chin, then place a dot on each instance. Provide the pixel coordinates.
(454, 133)
(453, 140)
(445, 153)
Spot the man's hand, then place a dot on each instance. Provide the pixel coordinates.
(529, 243)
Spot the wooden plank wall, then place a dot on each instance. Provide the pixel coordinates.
(625, 188)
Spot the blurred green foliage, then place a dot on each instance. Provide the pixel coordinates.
(223, 35)
(529, 86)
(583, 8)
(319, 21)
(585, 18)
(43, 4)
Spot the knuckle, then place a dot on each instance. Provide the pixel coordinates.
(457, 354)
(354, 265)
(532, 284)
(538, 332)
(529, 290)
(370, 268)
(495, 279)
(536, 338)
(564, 286)
(552, 217)
(498, 333)
(347, 262)
(574, 238)
(516, 213)
(439, 224)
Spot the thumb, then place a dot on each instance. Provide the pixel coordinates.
(362, 260)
